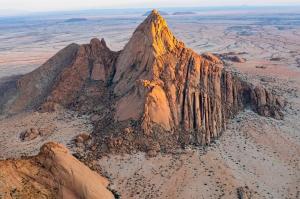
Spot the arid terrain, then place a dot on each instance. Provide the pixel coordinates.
(257, 153)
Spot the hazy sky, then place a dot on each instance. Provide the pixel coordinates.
(46, 5)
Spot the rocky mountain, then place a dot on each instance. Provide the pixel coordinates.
(53, 173)
(154, 95)
(62, 77)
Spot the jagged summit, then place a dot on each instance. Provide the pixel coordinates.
(139, 59)
(157, 33)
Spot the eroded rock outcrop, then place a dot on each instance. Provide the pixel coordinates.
(233, 57)
(53, 173)
(93, 62)
(156, 86)
(165, 84)
(61, 79)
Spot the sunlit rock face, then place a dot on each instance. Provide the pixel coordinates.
(164, 83)
(155, 82)
(53, 173)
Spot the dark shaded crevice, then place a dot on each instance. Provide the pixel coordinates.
(90, 67)
(201, 108)
(194, 112)
(185, 91)
(246, 97)
(111, 75)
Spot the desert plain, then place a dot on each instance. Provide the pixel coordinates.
(257, 152)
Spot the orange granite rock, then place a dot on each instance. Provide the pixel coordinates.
(53, 173)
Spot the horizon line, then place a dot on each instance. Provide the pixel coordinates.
(28, 12)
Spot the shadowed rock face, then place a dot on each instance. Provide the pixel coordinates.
(61, 79)
(53, 173)
(155, 83)
(32, 88)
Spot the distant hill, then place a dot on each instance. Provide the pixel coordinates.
(75, 20)
(160, 12)
(184, 13)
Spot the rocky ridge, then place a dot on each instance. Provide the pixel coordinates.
(53, 173)
(153, 95)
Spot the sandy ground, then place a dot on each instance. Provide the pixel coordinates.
(64, 126)
(259, 152)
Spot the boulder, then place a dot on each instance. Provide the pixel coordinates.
(153, 149)
(82, 138)
(29, 134)
(45, 131)
(244, 193)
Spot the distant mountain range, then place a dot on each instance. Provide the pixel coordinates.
(164, 13)
(75, 20)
